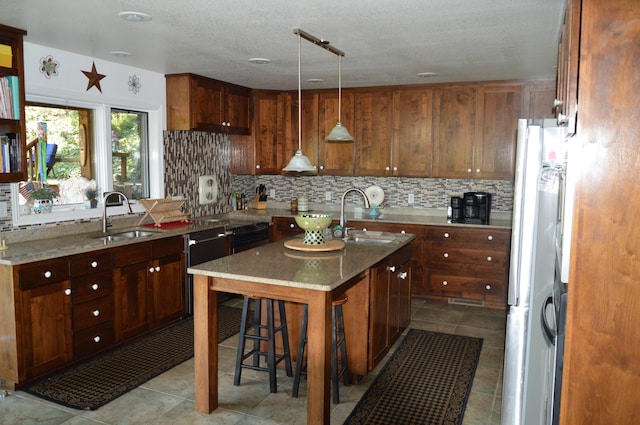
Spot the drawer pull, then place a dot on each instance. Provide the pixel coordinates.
(403, 232)
(94, 264)
(487, 287)
(67, 291)
(96, 339)
(291, 226)
(445, 283)
(95, 286)
(48, 274)
(489, 258)
(157, 268)
(490, 237)
(150, 269)
(446, 235)
(392, 269)
(403, 275)
(96, 313)
(445, 255)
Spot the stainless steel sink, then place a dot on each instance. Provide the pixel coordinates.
(123, 236)
(371, 237)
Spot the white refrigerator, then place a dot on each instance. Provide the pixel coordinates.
(528, 378)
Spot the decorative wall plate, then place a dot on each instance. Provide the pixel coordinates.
(375, 195)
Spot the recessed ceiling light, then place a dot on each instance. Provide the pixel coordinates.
(315, 80)
(260, 61)
(120, 53)
(427, 74)
(134, 16)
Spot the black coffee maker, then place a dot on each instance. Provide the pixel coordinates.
(476, 207)
(457, 210)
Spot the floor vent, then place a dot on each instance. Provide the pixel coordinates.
(463, 301)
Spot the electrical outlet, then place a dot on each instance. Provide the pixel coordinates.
(327, 196)
(411, 198)
(272, 193)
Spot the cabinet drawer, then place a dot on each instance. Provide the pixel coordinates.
(287, 225)
(132, 254)
(43, 273)
(468, 259)
(471, 287)
(93, 339)
(496, 238)
(93, 262)
(92, 286)
(168, 246)
(92, 313)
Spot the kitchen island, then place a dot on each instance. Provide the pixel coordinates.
(277, 272)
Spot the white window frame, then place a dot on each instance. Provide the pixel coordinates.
(103, 166)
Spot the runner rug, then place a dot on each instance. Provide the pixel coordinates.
(427, 381)
(105, 378)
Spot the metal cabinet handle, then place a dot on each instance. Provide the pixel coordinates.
(291, 226)
(445, 283)
(94, 264)
(48, 274)
(469, 170)
(487, 287)
(95, 286)
(96, 339)
(96, 313)
(403, 232)
(157, 268)
(403, 275)
(477, 170)
(489, 258)
(490, 237)
(392, 269)
(67, 291)
(445, 255)
(150, 269)
(258, 166)
(446, 234)
(386, 168)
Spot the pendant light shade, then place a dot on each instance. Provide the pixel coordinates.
(299, 163)
(339, 132)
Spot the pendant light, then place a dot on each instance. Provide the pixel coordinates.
(299, 162)
(339, 132)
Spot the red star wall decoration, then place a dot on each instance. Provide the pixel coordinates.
(94, 78)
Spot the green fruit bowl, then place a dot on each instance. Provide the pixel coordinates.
(313, 225)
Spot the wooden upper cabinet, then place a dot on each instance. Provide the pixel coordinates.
(373, 132)
(454, 121)
(200, 103)
(268, 131)
(538, 100)
(568, 59)
(498, 110)
(336, 158)
(413, 132)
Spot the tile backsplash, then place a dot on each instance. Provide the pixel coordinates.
(428, 193)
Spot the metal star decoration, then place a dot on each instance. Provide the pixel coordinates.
(94, 78)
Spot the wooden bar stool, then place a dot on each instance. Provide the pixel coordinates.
(339, 366)
(270, 356)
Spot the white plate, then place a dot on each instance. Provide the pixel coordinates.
(375, 195)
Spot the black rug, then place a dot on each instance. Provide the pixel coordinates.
(105, 378)
(427, 381)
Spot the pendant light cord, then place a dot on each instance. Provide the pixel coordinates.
(299, 92)
(339, 88)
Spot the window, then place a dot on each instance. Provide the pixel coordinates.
(92, 143)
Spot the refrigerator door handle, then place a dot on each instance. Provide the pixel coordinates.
(549, 331)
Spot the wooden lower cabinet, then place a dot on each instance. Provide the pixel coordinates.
(468, 263)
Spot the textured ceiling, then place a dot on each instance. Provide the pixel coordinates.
(385, 42)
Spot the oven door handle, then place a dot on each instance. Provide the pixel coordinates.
(549, 331)
(193, 242)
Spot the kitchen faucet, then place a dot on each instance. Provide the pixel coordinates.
(343, 220)
(104, 208)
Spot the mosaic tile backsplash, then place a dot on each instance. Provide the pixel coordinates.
(428, 193)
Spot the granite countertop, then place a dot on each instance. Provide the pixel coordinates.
(275, 264)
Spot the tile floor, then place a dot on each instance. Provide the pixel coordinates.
(168, 398)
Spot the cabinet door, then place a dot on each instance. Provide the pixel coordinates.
(167, 277)
(373, 133)
(494, 148)
(268, 132)
(336, 158)
(48, 341)
(413, 135)
(399, 300)
(131, 299)
(538, 100)
(237, 109)
(379, 314)
(207, 101)
(454, 121)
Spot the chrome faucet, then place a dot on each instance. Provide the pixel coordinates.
(343, 220)
(105, 224)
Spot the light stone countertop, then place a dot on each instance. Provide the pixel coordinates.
(275, 264)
